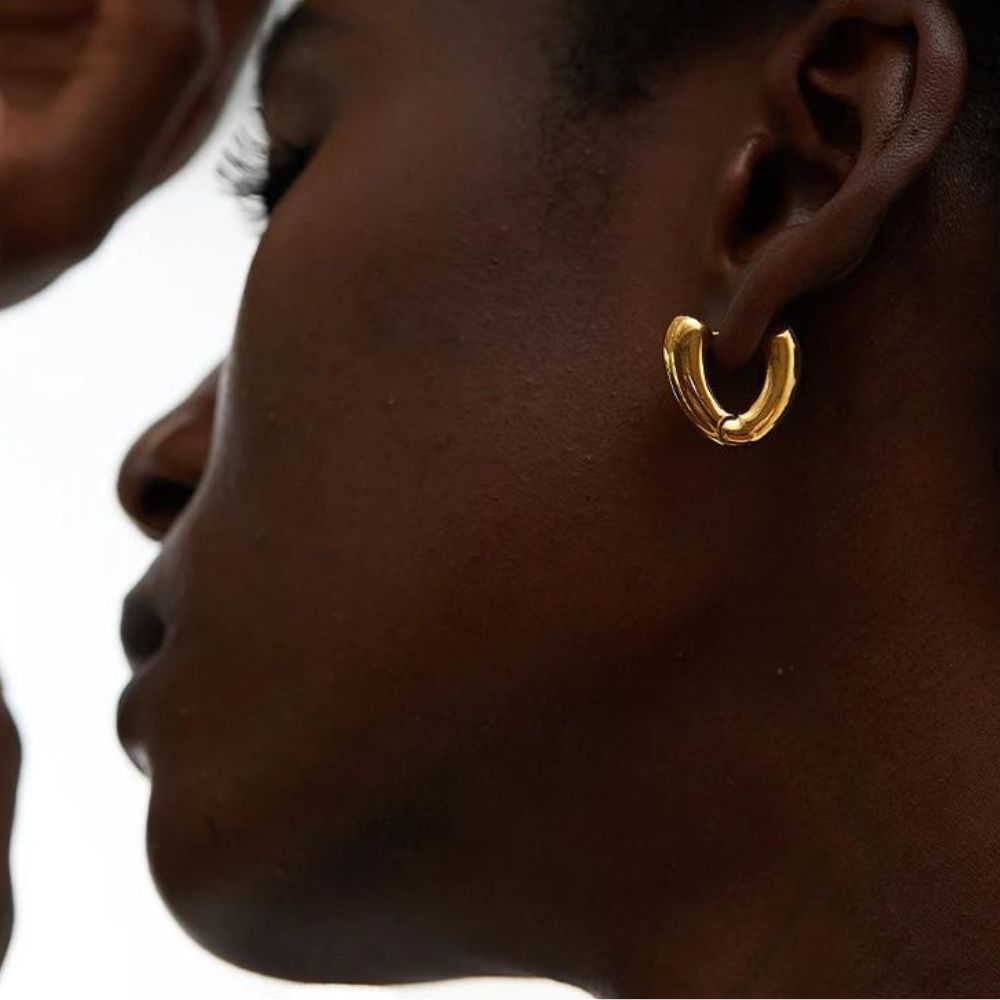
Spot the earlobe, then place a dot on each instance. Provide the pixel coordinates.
(860, 97)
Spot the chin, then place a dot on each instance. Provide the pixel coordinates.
(268, 916)
(261, 936)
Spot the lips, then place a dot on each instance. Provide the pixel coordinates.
(142, 629)
(143, 632)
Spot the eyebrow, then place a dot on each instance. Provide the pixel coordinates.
(286, 33)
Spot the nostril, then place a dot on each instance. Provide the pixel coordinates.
(161, 472)
(162, 500)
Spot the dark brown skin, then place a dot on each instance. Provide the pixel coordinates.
(10, 765)
(468, 655)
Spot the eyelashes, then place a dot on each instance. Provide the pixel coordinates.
(260, 171)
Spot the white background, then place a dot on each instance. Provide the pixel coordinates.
(82, 369)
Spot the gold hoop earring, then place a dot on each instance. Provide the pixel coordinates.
(684, 352)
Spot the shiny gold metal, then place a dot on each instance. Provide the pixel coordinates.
(684, 352)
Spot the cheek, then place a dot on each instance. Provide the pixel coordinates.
(380, 335)
(411, 530)
(402, 440)
(415, 431)
(360, 432)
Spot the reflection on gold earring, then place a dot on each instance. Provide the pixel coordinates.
(684, 352)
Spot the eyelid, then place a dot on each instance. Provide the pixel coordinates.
(286, 164)
(281, 31)
(303, 25)
(260, 169)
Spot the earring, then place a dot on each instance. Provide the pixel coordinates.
(684, 352)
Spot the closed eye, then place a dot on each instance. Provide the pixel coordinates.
(298, 100)
(263, 171)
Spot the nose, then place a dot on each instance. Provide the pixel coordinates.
(164, 467)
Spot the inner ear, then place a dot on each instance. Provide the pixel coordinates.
(855, 101)
(846, 77)
(825, 88)
(787, 184)
(782, 189)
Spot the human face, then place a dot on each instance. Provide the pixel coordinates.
(379, 661)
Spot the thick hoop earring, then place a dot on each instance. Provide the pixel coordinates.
(684, 352)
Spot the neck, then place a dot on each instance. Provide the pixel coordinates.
(837, 831)
(851, 850)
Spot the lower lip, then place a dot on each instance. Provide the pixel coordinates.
(132, 715)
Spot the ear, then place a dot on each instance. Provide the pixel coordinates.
(859, 97)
